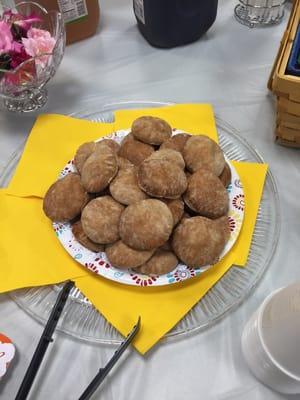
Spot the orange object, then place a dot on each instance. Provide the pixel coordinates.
(81, 17)
(7, 352)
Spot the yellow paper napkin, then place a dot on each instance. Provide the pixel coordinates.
(54, 140)
(253, 178)
(39, 259)
(30, 253)
(193, 118)
(160, 308)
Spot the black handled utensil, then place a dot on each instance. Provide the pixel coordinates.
(43, 344)
(99, 378)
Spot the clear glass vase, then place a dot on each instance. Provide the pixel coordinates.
(23, 88)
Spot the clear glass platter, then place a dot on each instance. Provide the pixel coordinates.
(82, 321)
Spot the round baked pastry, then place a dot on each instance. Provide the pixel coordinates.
(160, 178)
(112, 144)
(199, 241)
(65, 199)
(122, 256)
(168, 155)
(123, 163)
(125, 189)
(99, 169)
(202, 152)
(146, 225)
(100, 219)
(176, 142)
(151, 130)
(206, 194)
(82, 238)
(82, 154)
(176, 207)
(134, 150)
(223, 224)
(160, 263)
(225, 176)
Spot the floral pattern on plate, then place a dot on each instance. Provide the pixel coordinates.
(98, 262)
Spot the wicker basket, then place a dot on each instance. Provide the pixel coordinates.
(287, 87)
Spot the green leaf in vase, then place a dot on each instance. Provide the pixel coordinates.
(5, 60)
(18, 32)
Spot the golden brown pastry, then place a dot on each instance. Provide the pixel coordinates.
(100, 219)
(225, 176)
(125, 189)
(134, 150)
(160, 263)
(199, 241)
(223, 224)
(123, 163)
(151, 130)
(99, 169)
(83, 239)
(146, 225)
(65, 199)
(206, 194)
(122, 256)
(160, 178)
(82, 154)
(176, 142)
(112, 144)
(176, 207)
(202, 152)
(168, 155)
(127, 138)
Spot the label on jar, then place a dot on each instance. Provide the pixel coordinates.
(139, 10)
(72, 10)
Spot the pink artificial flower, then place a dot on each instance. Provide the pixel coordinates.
(37, 43)
(23, 21)
(17, 47)
(6, 37)
(25, 74)
(18, 57)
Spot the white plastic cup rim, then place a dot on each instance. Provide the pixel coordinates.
(259, 358)
(260, 335)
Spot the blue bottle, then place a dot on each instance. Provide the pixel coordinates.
(170, 23)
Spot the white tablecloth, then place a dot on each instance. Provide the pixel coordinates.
(229, 68)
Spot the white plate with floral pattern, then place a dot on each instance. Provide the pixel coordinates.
(98, 262)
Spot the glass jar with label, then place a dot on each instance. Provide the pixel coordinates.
(81, 16)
